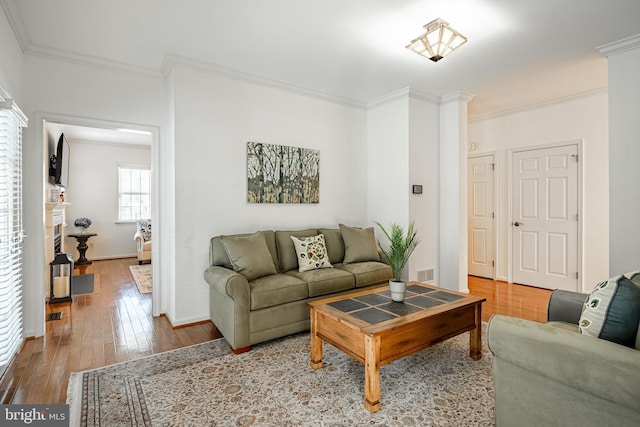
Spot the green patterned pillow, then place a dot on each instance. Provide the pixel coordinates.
(612, 310)
(312, 253)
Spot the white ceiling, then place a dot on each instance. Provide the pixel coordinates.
(519, 52)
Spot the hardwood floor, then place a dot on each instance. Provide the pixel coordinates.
(114, 324)
(526, 302)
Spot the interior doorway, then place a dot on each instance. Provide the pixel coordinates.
(481, 216)
(96, 128)
(545, 217)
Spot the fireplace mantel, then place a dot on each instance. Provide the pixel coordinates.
(54, 213)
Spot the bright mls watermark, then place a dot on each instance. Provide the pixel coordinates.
(34, 415)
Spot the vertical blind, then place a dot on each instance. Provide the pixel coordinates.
(11, 232)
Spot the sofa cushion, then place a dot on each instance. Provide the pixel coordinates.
(276, 289)
(218, 255)
(334, 242)
(325, 281)
(288, 259)
(612, 311)
(359, 244)
(312, 253)
(249, 255)
(368, 272)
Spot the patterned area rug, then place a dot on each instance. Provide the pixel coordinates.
(273, 385)
(142, 277)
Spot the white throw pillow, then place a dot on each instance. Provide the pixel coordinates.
(312, 253)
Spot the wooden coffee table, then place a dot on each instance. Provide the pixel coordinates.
(374, 330)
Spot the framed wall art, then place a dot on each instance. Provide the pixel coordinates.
(282, 174)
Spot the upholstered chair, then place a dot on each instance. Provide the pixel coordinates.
(143, 240)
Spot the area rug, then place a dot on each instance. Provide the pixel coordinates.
(273, 385)
(82, 284)
(142, 277)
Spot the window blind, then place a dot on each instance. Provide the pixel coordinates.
(12, 120)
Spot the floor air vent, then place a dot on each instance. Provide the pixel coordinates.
(425, 275)
(54, 316)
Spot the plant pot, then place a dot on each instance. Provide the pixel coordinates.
(398, 289)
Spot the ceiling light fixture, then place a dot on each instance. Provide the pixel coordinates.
(439, 41)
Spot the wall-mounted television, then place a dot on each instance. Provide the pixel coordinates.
(59, 163)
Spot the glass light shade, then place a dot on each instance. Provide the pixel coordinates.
(438, 41)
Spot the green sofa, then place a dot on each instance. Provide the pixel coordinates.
(259, 294)
(552, 375)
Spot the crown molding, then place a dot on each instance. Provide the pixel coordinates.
(463, 97)
(545, 103)
(407, 92)
(17, 24)
(90, 61)
(175, 61)
(629, 43)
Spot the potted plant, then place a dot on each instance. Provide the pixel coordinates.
(400, 247)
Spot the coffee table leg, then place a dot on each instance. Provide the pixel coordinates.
(475, 336)
(316, 342)
(372, 373)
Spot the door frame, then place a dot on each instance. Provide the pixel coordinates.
(494, 155)
(39, 135)
(579, 143)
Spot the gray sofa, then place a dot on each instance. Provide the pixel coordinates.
(257, 292)
(551, 375)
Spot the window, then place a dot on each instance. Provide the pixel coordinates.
(11, 234)
(134, 192)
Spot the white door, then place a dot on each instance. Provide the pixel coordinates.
(545, 217)
(481, 217)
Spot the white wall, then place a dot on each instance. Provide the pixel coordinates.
(11, 63)
(387, 159)
(624, 148)
(55, 89)
(402, 150)
(93, 193)
(584, 118)
(215, 117)
(424, 166)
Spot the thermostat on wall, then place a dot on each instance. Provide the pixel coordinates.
(417, 189)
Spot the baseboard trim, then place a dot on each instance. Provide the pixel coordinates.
(184, 325)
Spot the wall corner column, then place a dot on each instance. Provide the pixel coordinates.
(624, 150)
(453, 191)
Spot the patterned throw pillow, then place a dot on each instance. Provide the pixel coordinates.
(144, 225)
(312, 253)
(612, 310)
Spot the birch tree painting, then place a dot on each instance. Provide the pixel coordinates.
(282, 174)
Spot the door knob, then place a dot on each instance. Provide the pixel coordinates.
(517, 224)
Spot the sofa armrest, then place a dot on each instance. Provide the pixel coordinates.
(565, 306)
(228, 282)
(601, 368)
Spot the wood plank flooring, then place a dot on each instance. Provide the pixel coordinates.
(114, 324)
(526, 302)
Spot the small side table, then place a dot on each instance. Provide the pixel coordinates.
(82, 247)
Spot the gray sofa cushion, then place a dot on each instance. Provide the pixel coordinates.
(249, 255)
(287, 251)
(368, 272)
(276, 289)
(335, 244)
(218, 255)
(359, 244)
(325, 281)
